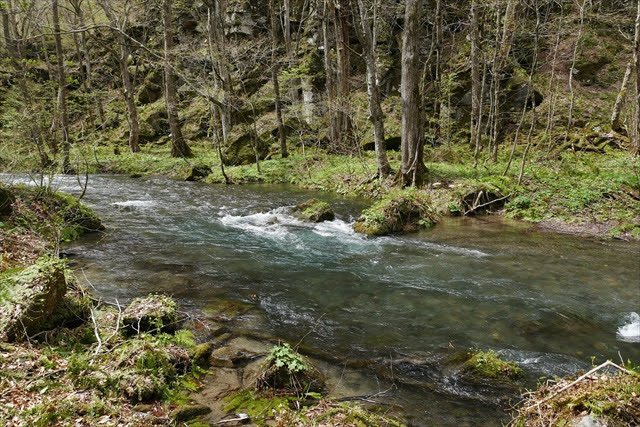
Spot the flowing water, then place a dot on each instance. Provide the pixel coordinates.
(399, 304)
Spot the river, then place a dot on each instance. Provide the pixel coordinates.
(401, 303)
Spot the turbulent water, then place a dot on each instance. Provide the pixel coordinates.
(548, 302)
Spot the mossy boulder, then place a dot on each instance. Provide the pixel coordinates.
(153, 314)
(151, 88)
(197, 172)
(28, 298)
(76, 215)
(243, 150)
(487, 365)
(6, 201)
(314, 210)
(73, 309)
(201, 353)
(402, 211)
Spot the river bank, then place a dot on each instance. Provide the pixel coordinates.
(578, 193)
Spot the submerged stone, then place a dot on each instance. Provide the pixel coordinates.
(154, 314)
(28, 298)
(314, 210)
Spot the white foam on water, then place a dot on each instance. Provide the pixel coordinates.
(454, 249)
(338, 229)
(274, 223)
(630, 331)
(135, 204)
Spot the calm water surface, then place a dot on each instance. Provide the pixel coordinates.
(545, 301)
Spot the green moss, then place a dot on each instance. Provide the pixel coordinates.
(489, 365)
(398, 211)
(314, 210)
(257, 405)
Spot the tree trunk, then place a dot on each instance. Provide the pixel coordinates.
(413, 167)
(636, 59)
(274, 78)
(344, 71)
(330, 84)
(504, 48)
(128, 92)
(475, 83)
(373, 90)
(572, 70)
(62, 90)
(224, 75)
(616, 126)
(179, 147)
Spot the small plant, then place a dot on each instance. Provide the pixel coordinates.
(284, 356)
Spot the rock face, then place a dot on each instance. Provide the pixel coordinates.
(155, 313)
(6, 200)
(28, 298)
(314, 210)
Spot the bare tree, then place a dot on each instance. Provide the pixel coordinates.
(475, 82)
(413, 168)
(179, 147)
(274, 75)
(636, 59)
(118, 16)
(63, 117)
(366, 26)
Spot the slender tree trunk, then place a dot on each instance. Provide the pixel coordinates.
(274, 78)
(215, 109)
(475, 83)
(616, 126)
(636, 59)
(62, 90)
(327, 18)
(508, 27)
(16, 61)
(365, 26)
(86, 60)
(534, 65)
(437, 108)
(572, 70)
(413, 168)
(224, 75)
(179, 147)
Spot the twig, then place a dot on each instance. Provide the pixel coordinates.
(241, 417)
(581, 378)
(475, 208)
(96, 332)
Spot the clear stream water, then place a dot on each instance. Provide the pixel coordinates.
(401, 303)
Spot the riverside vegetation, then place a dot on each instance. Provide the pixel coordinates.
(527, 109)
